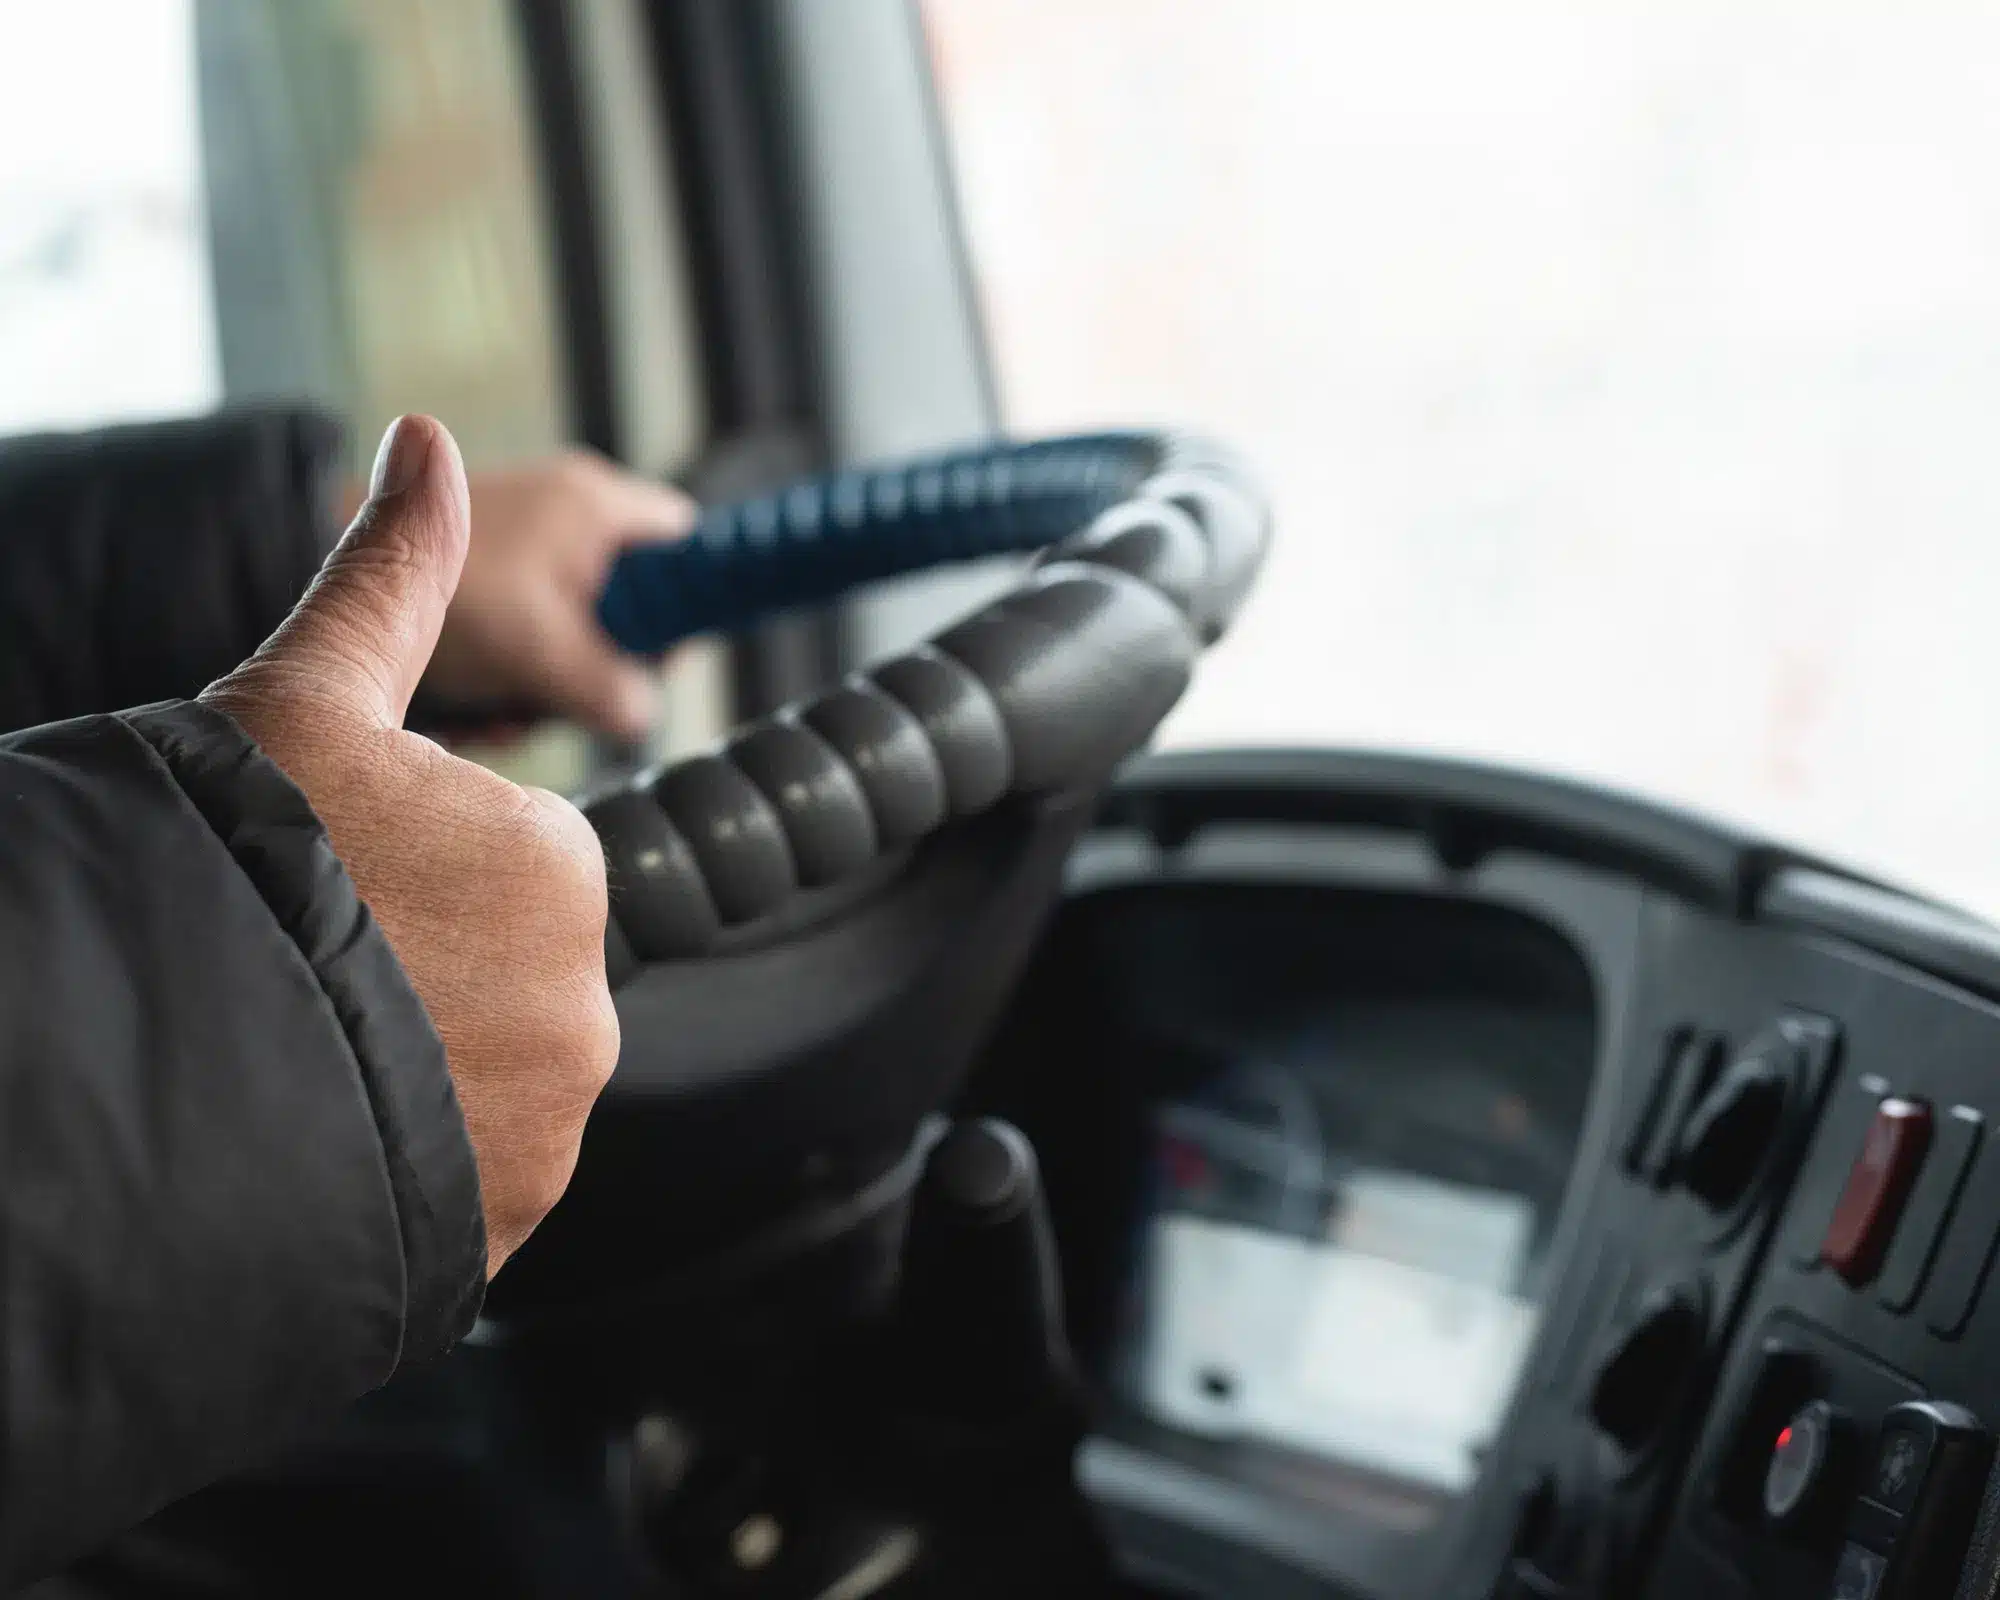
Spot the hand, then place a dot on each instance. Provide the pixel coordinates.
(522, 629)
(492, 895)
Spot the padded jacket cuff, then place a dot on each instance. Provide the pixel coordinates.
(138, 563)
(275, 837)
(236, 1191)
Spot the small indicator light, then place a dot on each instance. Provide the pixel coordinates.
(1785, 1438)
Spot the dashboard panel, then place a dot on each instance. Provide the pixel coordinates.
(1470, 1186)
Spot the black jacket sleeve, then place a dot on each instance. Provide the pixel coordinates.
(235, 1187)
(141, 563)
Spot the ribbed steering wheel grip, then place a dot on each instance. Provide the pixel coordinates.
(1082, 661)
(1234, 528)
(895, 763)
(659, 895)
(1151, 539)
(1045, 688)
(816, 796)
(961, 723)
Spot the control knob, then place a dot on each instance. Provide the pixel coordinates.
(1731, 1132)
(1808, 1463)
(1639, 1384)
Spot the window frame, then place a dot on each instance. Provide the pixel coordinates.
(809, 157)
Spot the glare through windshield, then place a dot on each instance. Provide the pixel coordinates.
(1628, 375)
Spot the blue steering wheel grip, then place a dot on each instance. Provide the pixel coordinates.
(810, 543)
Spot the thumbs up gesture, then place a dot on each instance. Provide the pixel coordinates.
(492, 895)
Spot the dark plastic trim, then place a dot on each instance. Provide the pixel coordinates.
(1468, 810)
(549, 52)
(724, 97)
(1948, 944)
(1465, 810)
(719, 86)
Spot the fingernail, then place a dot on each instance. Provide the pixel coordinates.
(399, 460)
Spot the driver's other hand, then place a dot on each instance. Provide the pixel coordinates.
(522, 631)
(492, 895)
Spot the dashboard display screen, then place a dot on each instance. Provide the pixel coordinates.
(1294, 1295)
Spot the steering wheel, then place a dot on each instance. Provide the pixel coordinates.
(813, 925)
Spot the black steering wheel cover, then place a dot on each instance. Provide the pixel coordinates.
(815, 926)
(859, 1027)
(1044, 689)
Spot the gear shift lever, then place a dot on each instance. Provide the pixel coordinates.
(980, 1318)
(943, 1453)
(987, 1406)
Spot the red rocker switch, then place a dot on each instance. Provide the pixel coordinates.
(1877, 1185)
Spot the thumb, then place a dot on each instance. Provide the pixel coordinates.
(365, 629)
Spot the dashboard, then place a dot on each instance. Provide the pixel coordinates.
(1464, 1186)
(1461, 1175)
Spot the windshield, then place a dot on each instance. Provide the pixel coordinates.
(1628, 376)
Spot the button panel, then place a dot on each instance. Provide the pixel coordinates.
(1872, 1207)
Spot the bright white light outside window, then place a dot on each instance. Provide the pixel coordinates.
(106, 312)
(1628, 374)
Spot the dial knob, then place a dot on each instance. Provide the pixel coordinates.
(1640, 1382)
(1736, 1125)
(1805, 1463)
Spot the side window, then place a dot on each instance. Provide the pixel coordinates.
(212, 200)
(106, 308)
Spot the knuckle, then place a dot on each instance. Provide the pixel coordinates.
(550, 1180)
(588, 1057)
(606, 1038)
(567, 850)
(574, 1037)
